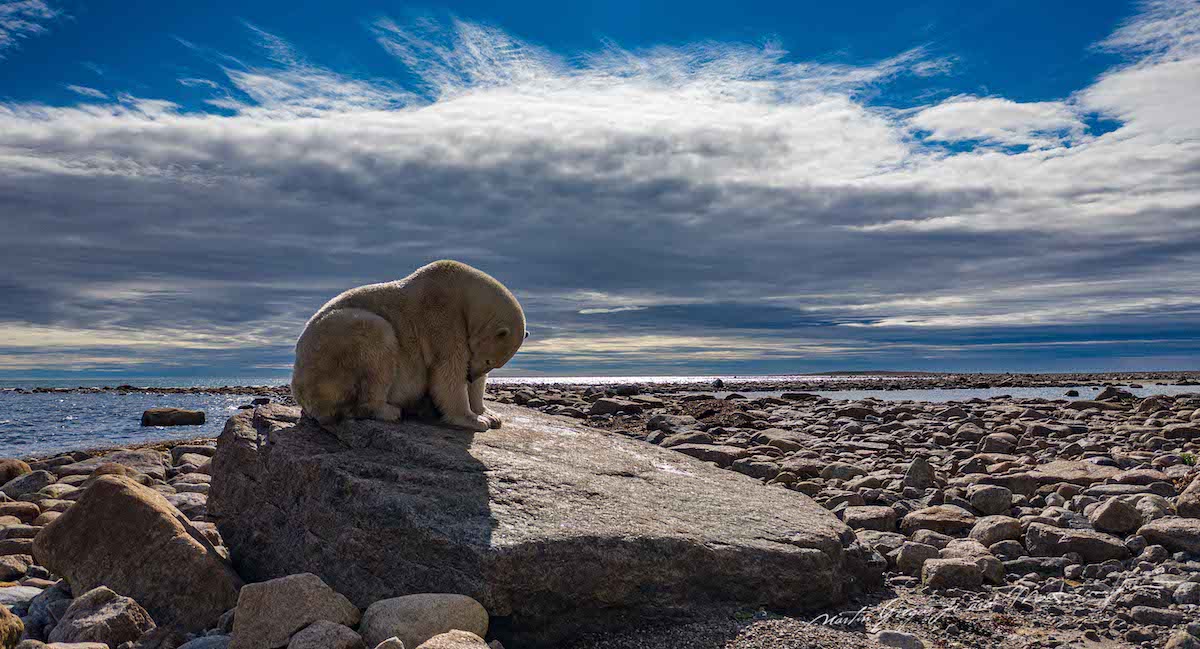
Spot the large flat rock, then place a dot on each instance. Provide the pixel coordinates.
(555, 528)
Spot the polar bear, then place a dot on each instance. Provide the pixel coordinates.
(376, 350)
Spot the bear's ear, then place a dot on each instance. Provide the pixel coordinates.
(526, 334)
(503, 332)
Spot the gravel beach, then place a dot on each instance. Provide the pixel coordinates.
(993, 523)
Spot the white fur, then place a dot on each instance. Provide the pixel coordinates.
(377, 350)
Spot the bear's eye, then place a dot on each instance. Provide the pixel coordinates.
(502, 333)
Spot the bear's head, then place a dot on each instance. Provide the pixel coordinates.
(494, 346)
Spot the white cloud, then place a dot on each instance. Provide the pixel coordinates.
(21, 19)
(1000, 121)
(637, 184)
(87, 92)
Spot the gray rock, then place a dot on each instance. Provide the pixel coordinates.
(898, 639)
(145, 461)
(560, 528)
(1175, 534)
(129, 538)
(940, 574)
(1183, 639)
(1187, 592)
(1048, 541)
(269, 612)
(172, 417)
(454, 640)
(990, 499)
(208, 642)
(323, 634)
(946, 519)
(28, 483)
(1116, 516)
(920, 474)
(1188, 504)
(100, 615)
(1156, 616)
(911, 556)
(879, 518)
(417, 618)
(993, 529)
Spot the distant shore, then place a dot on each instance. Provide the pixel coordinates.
(830, 381)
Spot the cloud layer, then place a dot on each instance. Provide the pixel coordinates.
(715, 207)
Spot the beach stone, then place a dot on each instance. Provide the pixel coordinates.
(417, 618)
(920, 474)
(911, 556)
(172, 417)
(878, 518)
(1044, 540)
(208, 642)
(23, 511)
(15, 595)
(939, 574)
(1182, 640)
(45, 607)
(11, 628)
(27, 483)
(14, 566)
(557, 527)
(898, 639)
(454, 640)
(144, 461)
(1115, 516)
(269, 612)
(1188, 503)
(1175, 534)
(101, 615)
(990, 499)
(991, 567)
(946, 519)
(129, 538)
(16, 546)
(324, 634)
(10, 468)
(993, 529)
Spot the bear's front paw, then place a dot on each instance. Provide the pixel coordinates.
(492, 418)
(477, 423)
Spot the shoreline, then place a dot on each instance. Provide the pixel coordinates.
(1050, 519)
(827, 382)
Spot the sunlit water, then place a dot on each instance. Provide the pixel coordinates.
(41, 424)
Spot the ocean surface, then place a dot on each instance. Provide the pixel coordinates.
(40, 424)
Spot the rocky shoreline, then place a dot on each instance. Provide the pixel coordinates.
(997, 523)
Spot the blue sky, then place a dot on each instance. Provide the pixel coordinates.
(668, 187)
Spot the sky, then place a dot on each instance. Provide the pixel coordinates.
(667, 187)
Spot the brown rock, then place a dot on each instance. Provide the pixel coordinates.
(10, 469)
(172, 417)
(1174, 534)
(128, 537)
(1095, 547)
(11, 628)
(269, 612)
(323, 634)
(947, 519)
(454, 640)
(100, 615)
